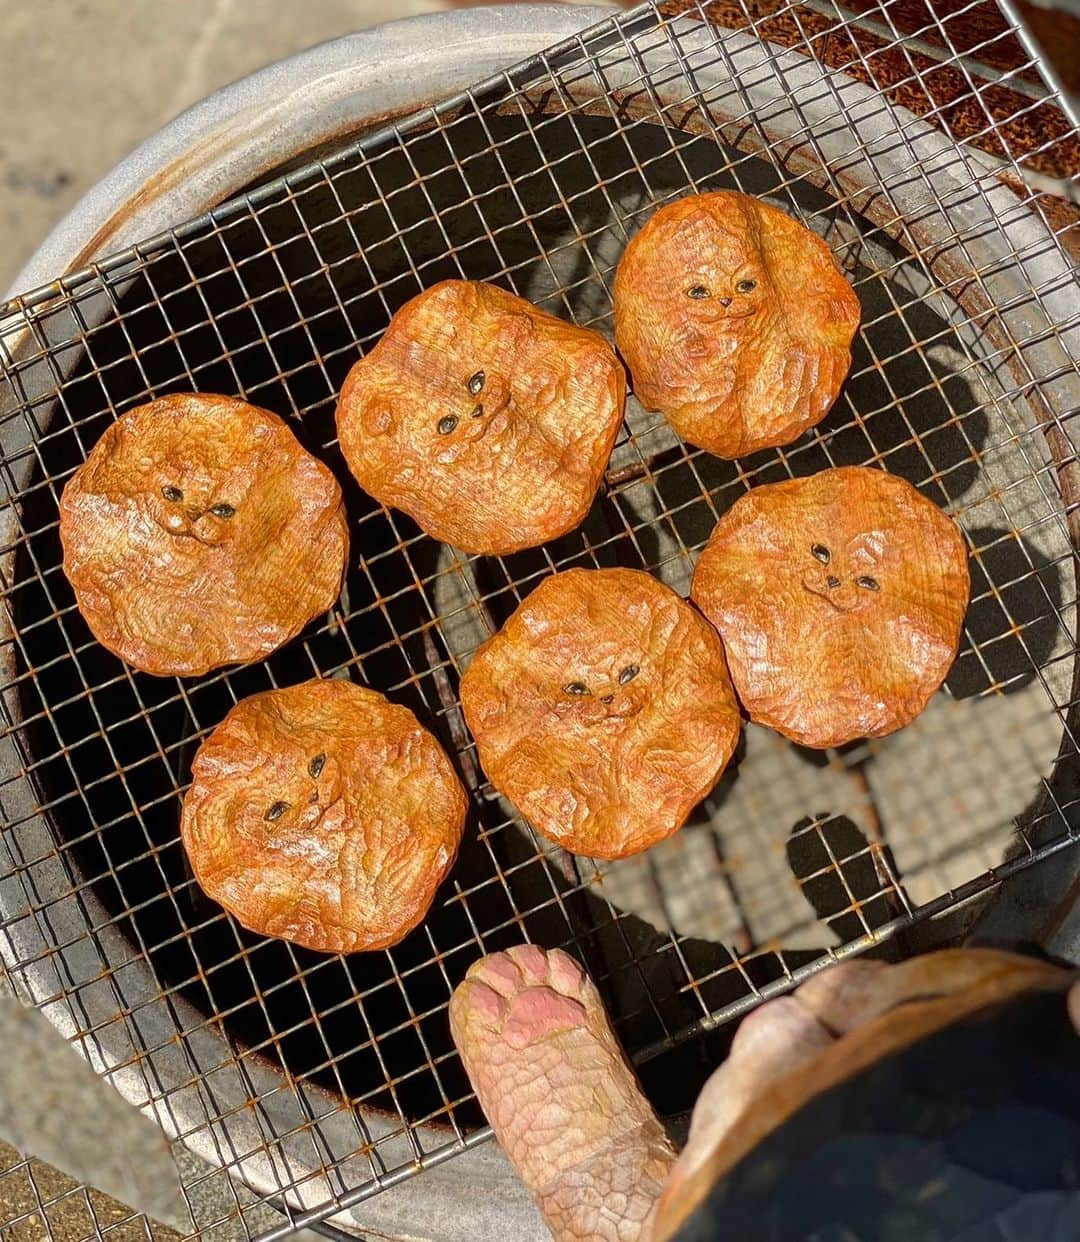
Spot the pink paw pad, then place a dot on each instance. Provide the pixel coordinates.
(531, 961)
(538, 1013)
(498, 972)
(564, 1103)
(486, 1005)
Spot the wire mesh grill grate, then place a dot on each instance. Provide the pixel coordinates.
(336, 1077)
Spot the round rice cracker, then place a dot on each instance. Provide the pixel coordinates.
(602, 710)
(199, 533)
(323, 814)
(735, 322)
(840, 598)
(486, 420)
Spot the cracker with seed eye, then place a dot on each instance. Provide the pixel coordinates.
(486, 420)
(735, 322)
(603, 710)
(840, 599)
(199, 533)
(323, 814)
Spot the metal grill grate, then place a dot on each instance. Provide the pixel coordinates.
(324, 1080)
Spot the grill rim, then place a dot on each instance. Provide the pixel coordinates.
(134, 1074)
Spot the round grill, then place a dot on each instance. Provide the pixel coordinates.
(326, 1078)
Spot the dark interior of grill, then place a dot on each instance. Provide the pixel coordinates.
(271, 305)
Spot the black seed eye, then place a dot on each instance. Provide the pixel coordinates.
(223, 511)
(316, 766)
(476, 383)
(744, 286)
(447, 424)
(576, 687)
(697, 291)
(172, 493)
(628, 674)
(870, 584)
(821, 552)
(276, 810)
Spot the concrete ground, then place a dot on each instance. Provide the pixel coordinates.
(37, 1202)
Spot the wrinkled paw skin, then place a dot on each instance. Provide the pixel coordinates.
(561, 1097)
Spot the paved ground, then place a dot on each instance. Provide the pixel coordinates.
(37, 1202)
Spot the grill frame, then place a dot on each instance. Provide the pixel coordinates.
(33, 965)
